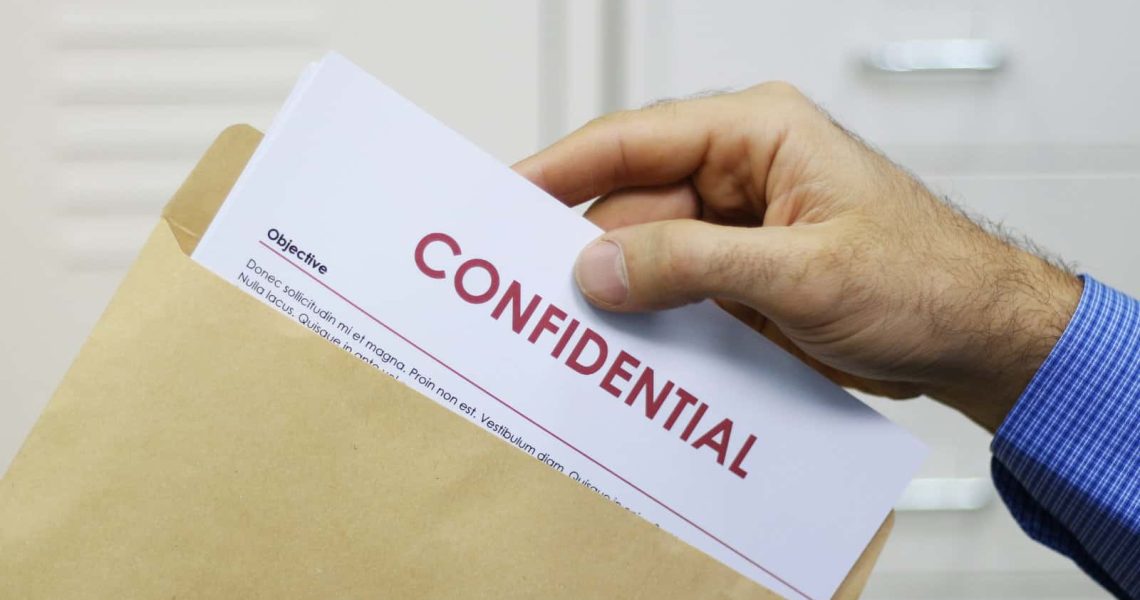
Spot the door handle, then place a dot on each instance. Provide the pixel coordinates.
(916, 56)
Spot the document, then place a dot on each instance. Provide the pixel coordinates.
(379, 229)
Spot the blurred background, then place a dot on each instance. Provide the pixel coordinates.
(106, 105)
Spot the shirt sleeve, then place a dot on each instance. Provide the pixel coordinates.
(1066, 460)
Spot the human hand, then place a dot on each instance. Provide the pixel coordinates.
(759, 200)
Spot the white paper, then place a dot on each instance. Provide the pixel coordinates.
(356, 177)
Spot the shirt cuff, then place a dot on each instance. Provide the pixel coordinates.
(1067, 457)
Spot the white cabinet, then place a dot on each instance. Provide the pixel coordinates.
(1048, 144)
(1069, 74)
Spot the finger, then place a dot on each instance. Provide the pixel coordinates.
(737, 134)
(651, 146)
(644, 205)
(670, 263)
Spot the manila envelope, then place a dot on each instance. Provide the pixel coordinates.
(203, 445)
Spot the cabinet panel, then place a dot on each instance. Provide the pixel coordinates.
(1067, 77)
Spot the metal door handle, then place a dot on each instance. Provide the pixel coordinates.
(913, 56)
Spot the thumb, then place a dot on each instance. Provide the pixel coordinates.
(664, 264)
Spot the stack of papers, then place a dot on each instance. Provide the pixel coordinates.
(378, 228)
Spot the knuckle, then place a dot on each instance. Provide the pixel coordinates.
(677, 256)
(609, 120)
(783, 101)
(781, 90)
(681, 267)
(700, 263)
(600, 121)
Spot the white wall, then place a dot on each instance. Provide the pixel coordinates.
(108, 104)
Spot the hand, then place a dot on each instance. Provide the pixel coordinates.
(759, 200)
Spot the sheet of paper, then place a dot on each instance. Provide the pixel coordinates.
(380, 229)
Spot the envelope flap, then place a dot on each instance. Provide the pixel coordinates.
(196, 202)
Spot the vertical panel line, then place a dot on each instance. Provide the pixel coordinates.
(552, 70)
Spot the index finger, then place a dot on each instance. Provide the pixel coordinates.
(651, 146)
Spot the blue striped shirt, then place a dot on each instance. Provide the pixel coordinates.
(1066, 460)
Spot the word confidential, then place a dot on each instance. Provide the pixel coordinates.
(587, 352)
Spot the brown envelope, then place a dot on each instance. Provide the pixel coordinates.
(203, 445)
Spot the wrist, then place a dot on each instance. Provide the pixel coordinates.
(1023, 316)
